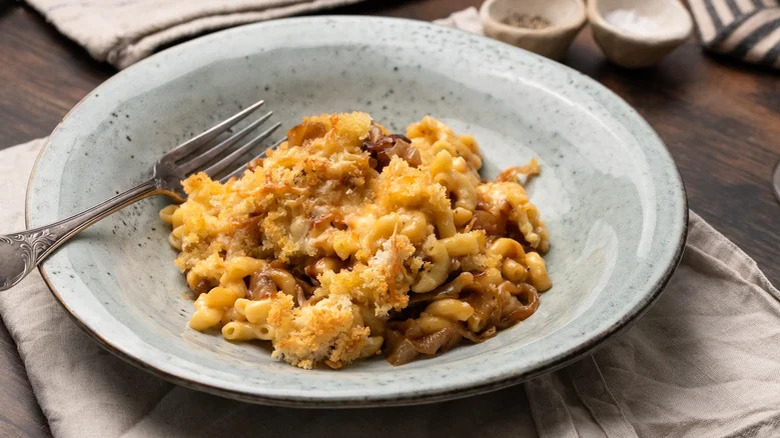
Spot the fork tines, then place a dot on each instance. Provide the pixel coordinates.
(190, 157)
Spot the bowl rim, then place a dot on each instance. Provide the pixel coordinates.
(597, 20)
(552, 30)
(408, 398)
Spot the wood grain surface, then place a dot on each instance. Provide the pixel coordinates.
(720, 120)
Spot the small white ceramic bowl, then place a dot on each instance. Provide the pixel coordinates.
(566, 18)
(638, 34)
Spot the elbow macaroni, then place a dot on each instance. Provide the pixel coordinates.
(436, 272)
(315, 246)
(246, 331)
(450, 308)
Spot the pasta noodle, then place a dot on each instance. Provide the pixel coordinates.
(450, 308)
(347, 241)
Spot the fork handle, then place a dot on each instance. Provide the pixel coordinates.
(21, 252)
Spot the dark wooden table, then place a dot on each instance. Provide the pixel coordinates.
(720, 119)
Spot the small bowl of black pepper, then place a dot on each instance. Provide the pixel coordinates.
(546, 27)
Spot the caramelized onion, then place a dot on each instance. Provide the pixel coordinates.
(434, 342)
(409, 328)
(300, 295)
(405, 340)
(377, 141)
(523, 300)
(486, 310)
(403, 150)
(261, 286)
(375, 134)
(402, 349)
(254, 164)
(399, 349)
(447, 290)
(511, 174)
(322, 222)
(403, 353)
(471, 336)
(205, 285)
(492, 224)
(306, 288)
(317, 267)
(396, 137)
(277, 264)
(304, 132)
(384, 147)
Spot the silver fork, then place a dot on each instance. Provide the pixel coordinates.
(21, 252)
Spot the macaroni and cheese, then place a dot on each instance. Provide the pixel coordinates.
(347, 241)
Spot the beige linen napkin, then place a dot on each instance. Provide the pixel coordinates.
(703, 361)
(122, 32)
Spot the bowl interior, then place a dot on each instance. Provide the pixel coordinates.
(608, 191)
(557, 12)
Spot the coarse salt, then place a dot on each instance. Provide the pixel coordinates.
(629, 21)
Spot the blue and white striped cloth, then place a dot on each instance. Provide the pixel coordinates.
(744, 29)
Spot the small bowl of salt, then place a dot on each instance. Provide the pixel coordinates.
(636, 34)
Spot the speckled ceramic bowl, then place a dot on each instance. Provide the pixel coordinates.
(609, 192)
